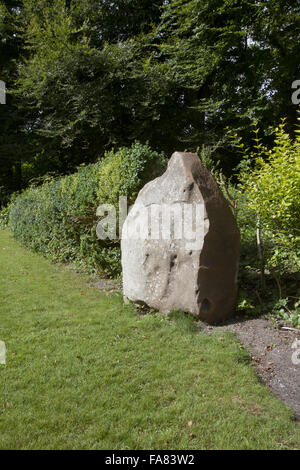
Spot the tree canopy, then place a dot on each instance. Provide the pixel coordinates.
(88, 75)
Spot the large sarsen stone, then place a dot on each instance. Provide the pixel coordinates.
(180, 244)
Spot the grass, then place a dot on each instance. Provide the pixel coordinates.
(85, 372)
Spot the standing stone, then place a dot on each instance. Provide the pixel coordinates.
(180, 244)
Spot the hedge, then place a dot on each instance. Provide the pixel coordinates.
(58, 218)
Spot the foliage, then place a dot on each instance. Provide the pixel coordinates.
(245, 307)
(229, 58)
(85, 77)
(4, 217)
(270, 181)
(290, 313)
(14, 146)
(88, 89)
(268, 206)
(58, 217)
(126, 171)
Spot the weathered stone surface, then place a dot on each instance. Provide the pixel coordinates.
(167, 271)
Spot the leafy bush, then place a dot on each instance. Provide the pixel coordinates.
(289, 313)
(124, 173)
(4, 216)
(268, 207)
(273, 191)
(58, 218)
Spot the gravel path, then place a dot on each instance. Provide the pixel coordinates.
(272, 352)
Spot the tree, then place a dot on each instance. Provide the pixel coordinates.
(87, 94)
(234, 61)
(98, 74)
(11, 139)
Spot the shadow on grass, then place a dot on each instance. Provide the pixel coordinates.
(184, 322)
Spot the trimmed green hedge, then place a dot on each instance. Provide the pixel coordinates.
(58, 218)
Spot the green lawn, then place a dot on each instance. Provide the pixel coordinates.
(85, 372)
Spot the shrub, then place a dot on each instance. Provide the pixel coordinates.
(268, 213)
(272, 190)
(4, 216)
(58, 218)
